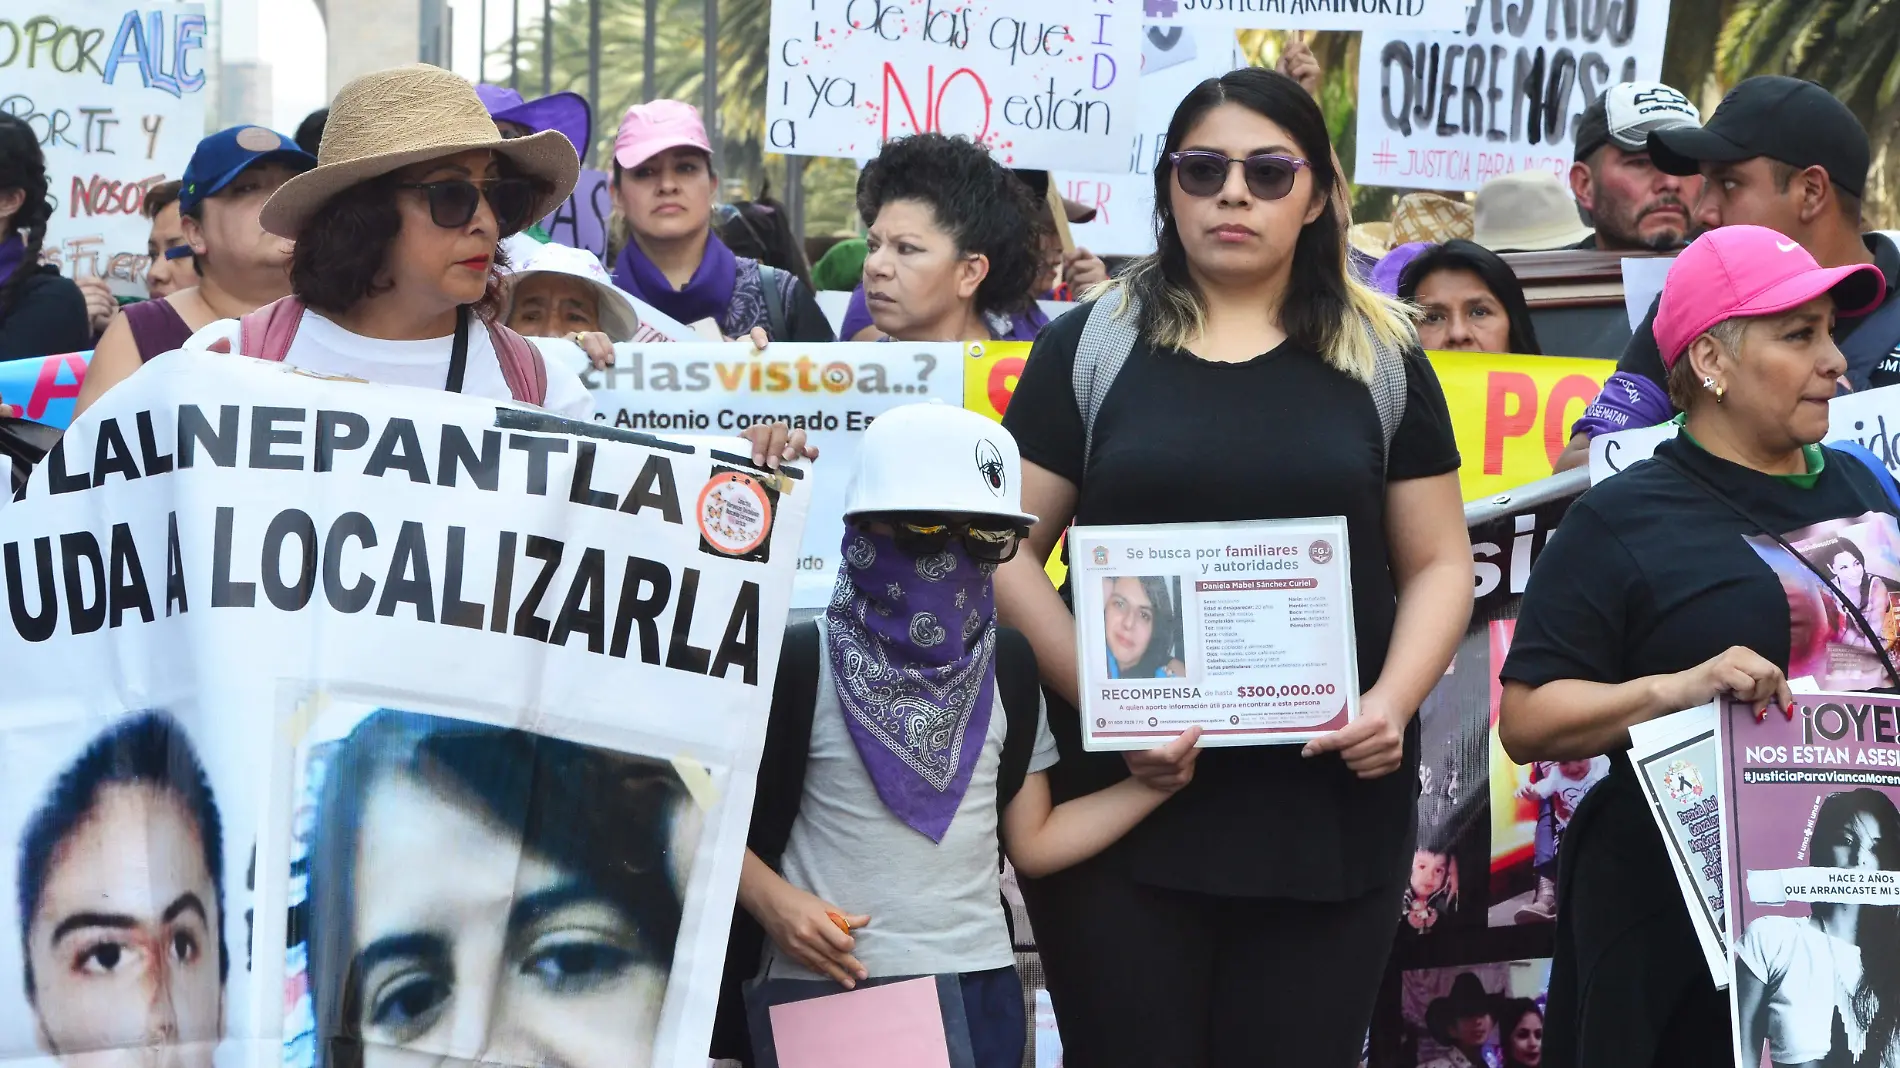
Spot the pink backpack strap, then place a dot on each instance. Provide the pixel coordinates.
(521, 365)
(266, 333)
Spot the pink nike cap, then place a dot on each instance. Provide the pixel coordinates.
(1751, 271)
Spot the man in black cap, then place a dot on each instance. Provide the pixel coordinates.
(1635, 205)
(1782, 153)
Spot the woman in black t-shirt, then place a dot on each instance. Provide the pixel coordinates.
(1249, 919)
(1650, 598)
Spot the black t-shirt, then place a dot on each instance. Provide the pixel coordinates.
(47, 316)
(1643, 357)
(1183, 440)
(1649, 575)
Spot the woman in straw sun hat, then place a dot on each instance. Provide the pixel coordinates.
(394, 278)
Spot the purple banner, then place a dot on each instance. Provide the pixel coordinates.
(1813, 877)
(581, 221)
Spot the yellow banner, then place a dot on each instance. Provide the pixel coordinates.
(1510, 414)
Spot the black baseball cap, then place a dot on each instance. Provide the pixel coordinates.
(1786, 119)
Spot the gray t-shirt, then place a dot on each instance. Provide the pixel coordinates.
(935, 907)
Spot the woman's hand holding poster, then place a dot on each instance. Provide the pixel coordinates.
(362, 722)
(1244, 629)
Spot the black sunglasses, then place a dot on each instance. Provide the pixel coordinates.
(452, 202)
(988, 541)
(1202, 173)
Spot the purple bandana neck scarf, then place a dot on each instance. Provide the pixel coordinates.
(912, 642)
(12, 255)
(706, 296)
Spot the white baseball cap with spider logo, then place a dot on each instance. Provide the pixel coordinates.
(937, 458)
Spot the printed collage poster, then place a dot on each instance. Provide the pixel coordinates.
(349, 726)
(1475, 1015)
(1812, 831)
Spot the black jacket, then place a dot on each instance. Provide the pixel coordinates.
(47, 315)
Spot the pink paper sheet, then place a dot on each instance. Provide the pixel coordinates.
(877, 1027)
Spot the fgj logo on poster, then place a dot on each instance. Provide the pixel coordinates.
(1684, 781)
(989, 461)
(1100, 555)
(1320, 552)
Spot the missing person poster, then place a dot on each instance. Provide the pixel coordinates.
(1678, 766)
(347, 724)
(1242, 629)
(1813, 880)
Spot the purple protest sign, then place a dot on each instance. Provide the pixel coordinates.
(1813, 837)
(581, 220)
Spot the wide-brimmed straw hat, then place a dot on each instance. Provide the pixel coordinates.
(392, 118)
(1429, 217)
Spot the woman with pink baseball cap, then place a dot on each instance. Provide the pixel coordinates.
(664, 249)
(1689, 576)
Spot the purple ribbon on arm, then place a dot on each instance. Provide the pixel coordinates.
(1628, 401)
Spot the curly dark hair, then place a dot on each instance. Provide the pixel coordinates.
(23, 167)
(341, 251)
(988, 210)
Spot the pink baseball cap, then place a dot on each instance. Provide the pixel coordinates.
(1747, 272)
(650, 129)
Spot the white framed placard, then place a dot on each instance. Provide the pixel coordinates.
(1244, 629)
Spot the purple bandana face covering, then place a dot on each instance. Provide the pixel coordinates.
(912, 642)
(12, 255)
(707, 294)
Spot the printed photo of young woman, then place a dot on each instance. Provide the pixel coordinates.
(1142, 624)
(484, 893)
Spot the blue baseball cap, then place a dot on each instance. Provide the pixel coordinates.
(224, 155)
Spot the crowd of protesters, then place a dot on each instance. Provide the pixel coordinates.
(1227, 906)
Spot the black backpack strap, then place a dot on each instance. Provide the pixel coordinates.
(1020, 688)
(774, 303)
(781, 787)
(1018, 684)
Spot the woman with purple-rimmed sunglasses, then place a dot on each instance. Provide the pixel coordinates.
(1248, 920)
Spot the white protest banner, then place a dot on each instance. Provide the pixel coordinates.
(1870, 419)
(1678, 763)
(460, 702)
(1124, 203)
(115, 92)
(1504, 93)
(1368, 15)
(1643, 278)
(832, 392)
(1047, 85)
(1242, 629)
